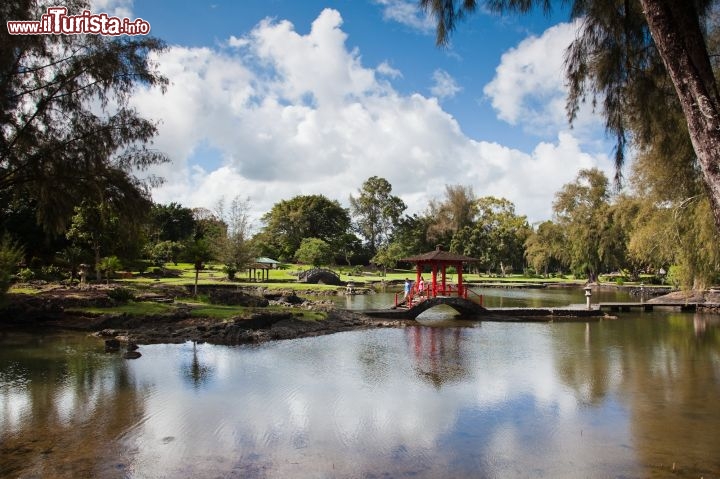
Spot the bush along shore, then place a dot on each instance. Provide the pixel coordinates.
(124, 318)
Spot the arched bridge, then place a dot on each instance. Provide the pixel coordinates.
(320, 275)
(463, 306)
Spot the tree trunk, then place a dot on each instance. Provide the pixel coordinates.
(98, 273)
(675, 28)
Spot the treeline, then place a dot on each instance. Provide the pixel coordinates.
(593, 231)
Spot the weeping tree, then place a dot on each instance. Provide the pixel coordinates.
(634, 57)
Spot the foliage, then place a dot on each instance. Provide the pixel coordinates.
(163, 252)
(66, 128)
(306, 216)
(105, 228)
(121, 295)
(198, 252)
(10, 256)
(314, 251)
(496, 238)
(376, 211)
(545, 248)
(109, 265)
(648, 64)
(582, 209)
(208, 226)
(388, 256)
(411, 235)
(456, 211)
(25, 275)
(171, 223)
(232, 249)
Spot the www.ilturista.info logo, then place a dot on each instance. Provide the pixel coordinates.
(57, 22)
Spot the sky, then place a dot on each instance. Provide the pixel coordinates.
(269, 99)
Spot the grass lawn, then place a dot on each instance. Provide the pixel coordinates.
(132, 307)
(183, 274)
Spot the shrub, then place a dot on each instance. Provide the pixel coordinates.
(121, 295)
(51, 272)
(10, 255)
(25, 275)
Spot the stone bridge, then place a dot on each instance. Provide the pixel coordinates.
(320, 275)
(463, 306)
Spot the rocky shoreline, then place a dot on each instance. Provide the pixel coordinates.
(62, 309)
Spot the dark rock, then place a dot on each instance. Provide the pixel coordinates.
(112, 345)
(236, 298)
(131, 355)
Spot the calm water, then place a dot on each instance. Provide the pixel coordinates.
(633, 398)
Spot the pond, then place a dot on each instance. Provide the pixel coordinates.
(631, 397)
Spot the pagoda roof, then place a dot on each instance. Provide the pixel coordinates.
(439, 256)
(266, 260)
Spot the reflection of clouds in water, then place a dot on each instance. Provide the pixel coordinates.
(350, 402)
(14, 407)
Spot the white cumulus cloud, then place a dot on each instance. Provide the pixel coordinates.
(408, 13)
(444, 85)
(529, 87)
(284, 114)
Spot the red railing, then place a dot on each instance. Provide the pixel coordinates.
(473, 293)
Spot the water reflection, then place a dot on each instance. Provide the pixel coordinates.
(623, 398)
(498, 298)
(61, 394)
(438, 354)
(197, 373)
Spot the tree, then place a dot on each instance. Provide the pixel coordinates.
(171, 222)
(314, 251)
(545, 248)
(674, 224)
(305, 216)
(411, 235)
(110, 265)
(454, 212)
(107, 228)
(94, 226)
(627, 53)
(497, 238)
(164, 251)
(198, 252)
(388, 256)
(67, 132)
(10, 256)
(233, 249)
(208, 225)
(582, 209)
(376, 211)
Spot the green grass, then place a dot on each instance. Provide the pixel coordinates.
(286, 278)
(132, 307)
(198, 310)
(216, 311)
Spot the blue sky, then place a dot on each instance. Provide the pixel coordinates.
(274, 98)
